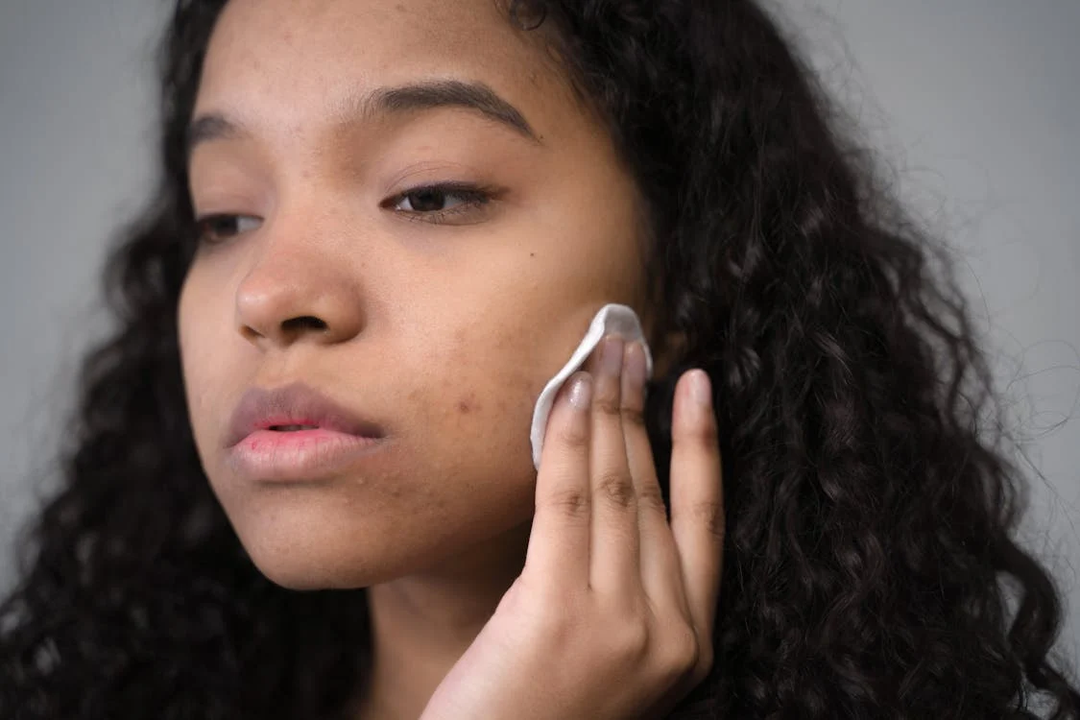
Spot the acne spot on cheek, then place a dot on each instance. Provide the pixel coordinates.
(467, 404)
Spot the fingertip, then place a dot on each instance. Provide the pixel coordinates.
(700, 388)
(693, 402)
(569, 425)
(579, 391)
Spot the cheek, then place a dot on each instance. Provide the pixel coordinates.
(484, 406)
(471, 432)
(201, 365)
(191, 356)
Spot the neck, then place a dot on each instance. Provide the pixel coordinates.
(422, 623)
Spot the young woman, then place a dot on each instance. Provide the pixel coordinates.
(301, 484)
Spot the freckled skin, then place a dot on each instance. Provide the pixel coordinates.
(467, 405)
(443, 334)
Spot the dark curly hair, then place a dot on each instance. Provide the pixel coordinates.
(868, 550)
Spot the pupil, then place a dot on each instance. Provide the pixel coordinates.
(426, 200)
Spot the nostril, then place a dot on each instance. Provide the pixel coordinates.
(304, 322)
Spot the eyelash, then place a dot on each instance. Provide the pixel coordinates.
(472, 196)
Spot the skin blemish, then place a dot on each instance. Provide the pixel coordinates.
(467, 404)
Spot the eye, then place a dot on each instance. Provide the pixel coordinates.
(217, 228)
(429, 200)
(440, 203)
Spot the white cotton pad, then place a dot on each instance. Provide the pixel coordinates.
(612, 319)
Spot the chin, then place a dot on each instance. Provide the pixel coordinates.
(295, 569)
(300, 579)
(348, 535)
(299, 553)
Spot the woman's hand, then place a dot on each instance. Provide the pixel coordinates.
(612, 615)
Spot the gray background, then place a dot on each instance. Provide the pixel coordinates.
(974, 103)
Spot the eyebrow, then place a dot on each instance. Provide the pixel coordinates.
(399, 99)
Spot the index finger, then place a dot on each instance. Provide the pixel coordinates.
(558, 547)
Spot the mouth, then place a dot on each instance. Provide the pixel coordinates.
(295, 433)
(302, 454)
(292, 409)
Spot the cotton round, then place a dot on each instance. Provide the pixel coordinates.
(612, 319)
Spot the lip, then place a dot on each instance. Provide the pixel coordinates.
(337, 437)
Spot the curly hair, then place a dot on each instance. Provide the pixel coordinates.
(869, 517)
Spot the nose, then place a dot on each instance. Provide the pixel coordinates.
(293, 294)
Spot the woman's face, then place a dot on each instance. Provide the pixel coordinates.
(438, 316)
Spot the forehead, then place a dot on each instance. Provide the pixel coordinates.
(320, 54)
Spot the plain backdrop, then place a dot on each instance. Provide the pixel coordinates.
(975, 105)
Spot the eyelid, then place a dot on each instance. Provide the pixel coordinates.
(200, 221)
(476, 197)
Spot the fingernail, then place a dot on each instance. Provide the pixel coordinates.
(580, 391)
(611, 356)
(700, 388)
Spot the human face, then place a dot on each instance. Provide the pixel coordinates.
(438, 317)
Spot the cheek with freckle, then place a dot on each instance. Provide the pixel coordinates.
(467, 404)
(487, 409)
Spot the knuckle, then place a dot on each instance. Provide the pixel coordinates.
(607, 404)
(616, 489)
(633, 416)
(633, 641)
(573, 435)
(681, 656)
(650, 498)
(685, 648)
(709, 432)
(572, 502)
(710, 514)
(701, 434)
